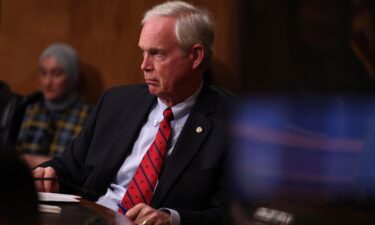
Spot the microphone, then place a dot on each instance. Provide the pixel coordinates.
(83, 192)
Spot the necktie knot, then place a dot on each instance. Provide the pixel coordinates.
(168, 114)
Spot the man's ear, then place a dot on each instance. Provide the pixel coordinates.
(197, 55)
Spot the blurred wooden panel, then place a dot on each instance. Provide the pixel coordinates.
(105, 33)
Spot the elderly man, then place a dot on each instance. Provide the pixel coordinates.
(156, 152)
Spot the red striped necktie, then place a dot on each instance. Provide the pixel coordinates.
(141, 187)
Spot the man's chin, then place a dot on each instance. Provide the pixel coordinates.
(153, 90)
(157, 92)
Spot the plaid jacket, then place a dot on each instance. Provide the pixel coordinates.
(47, 133)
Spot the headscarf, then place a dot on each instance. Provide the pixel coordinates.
(68, 59)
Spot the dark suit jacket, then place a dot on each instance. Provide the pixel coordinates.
(195, 175)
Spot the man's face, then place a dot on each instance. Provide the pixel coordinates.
(53, 80)
(167, 69)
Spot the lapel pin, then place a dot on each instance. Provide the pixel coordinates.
(199, 130)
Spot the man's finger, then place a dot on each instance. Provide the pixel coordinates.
(134, 212)
(39, 173)
(49, 173)
(142, 212)
(55, 187)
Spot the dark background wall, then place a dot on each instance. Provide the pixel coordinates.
(105, 33)
(306, 45)
(261, 45)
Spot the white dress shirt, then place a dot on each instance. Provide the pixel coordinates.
(117, 188)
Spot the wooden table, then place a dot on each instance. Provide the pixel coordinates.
(83, 213)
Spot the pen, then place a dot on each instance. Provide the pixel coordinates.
(123, 209)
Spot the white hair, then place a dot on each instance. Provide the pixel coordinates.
(193, 25)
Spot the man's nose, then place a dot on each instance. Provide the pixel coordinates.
(147, 63)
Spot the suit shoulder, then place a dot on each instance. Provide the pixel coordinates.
(223, 95)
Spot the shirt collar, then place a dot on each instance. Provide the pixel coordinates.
(180, 110)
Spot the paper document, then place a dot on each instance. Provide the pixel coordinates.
(57, 197)
(49, 208)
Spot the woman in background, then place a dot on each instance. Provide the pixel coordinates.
(53, 121)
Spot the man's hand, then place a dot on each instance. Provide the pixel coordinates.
(145, 215)
(35, 160)
(45, 185)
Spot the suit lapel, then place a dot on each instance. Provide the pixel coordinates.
(128, 128)
(193, 134)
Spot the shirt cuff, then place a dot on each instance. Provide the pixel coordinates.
(175, 216)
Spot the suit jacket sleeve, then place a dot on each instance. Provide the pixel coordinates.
(93, 159)
(70, 166)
